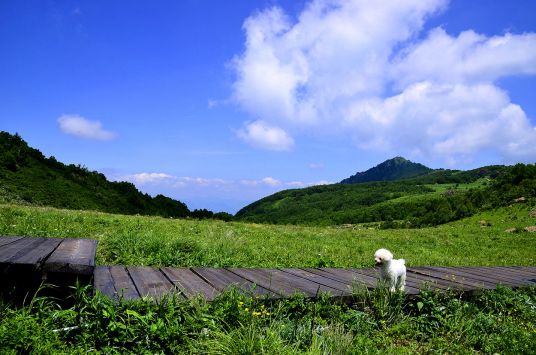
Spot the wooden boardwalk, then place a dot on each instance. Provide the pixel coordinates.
(25, 262)
(135, 282)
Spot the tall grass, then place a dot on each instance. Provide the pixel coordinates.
(499, 321)
(138, 240)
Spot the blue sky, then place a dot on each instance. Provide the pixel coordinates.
(220, 103)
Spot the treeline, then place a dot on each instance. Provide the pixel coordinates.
(26, 173)
(405, 203)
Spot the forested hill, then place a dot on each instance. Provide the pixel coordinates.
(431, 199)
(393, 169)
(26, 175)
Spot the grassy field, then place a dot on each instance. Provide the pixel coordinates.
(498, 321)
(137, 240)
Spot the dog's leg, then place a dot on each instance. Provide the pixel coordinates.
(401, 282)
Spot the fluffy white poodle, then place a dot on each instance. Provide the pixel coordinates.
(393, 272)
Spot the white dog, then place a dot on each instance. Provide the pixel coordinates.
(393, 272)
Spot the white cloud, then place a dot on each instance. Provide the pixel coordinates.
(169, 180)
(455, 121)
(316, 166)
(468, 58)
(79, 126)
(261, 135)
(267, 181)
(270, 181)
(148, 178)
(330, 69)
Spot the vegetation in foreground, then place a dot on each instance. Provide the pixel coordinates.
(498, 321)
(498, 237)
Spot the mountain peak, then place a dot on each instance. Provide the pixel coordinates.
(392, 169)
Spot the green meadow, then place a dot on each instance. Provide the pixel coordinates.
(495, 237)
(497, 321)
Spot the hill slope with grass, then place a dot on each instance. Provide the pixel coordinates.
(438, 197)
(27, 176)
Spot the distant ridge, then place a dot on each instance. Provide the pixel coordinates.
(393, 169)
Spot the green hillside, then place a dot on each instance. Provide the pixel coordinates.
(27, 176)
(435, 198)
(393, 169)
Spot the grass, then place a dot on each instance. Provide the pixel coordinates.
(499, 321)
(139, 240)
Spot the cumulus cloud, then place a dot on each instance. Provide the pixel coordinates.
(79, 126)
(260, 134)
(331, 67)
(169, 180)
(267, 181)
(163, 179)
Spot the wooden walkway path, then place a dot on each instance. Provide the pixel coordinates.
(25, 262)
(135, 282)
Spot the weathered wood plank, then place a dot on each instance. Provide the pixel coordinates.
(452, 273)
(102, 281)
(123, 283)
(520, 274)
(284, 283)
(8, 240)
(221, 279)
(473, 276)
(150, 281)
(498, 279)
(452, 278)
(352, 278)
(28, 251)
(524, 271)
(11, 250)
(319, 279)
(76, 256)
(189, 283)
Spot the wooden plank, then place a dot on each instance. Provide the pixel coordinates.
(150, 281)
(284, 283)
(520, 274)
(11, 250)
(525, 271)
(189, 283)
(123, 283)
(498, 279)
(8, 240)
(411, 286)
(102, 281)
(73, 255)
(450, 277)
(501, 272)
(460, 275)
(221, 279)
(346, 276)
(352, 278)
(462, 272)
(319, 279)
(29, 251)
